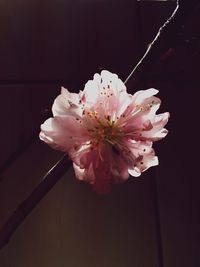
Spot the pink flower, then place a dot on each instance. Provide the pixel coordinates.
(107, 133)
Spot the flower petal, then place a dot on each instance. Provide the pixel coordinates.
(91, 92)
(157, 132)
(62, 133)
(67, 104)
(140, 96)
(147, 161)
(79, 172)
(134, 172)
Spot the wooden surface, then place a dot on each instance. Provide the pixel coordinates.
(51, 43)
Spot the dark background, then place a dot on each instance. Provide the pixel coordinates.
(150, 221)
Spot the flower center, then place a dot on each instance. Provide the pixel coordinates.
(102, 133)
(102, 129)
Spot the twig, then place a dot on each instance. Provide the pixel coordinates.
(153, 42)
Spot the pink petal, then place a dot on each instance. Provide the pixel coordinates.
(140, 96)
(157, 132)
(86, 175)
(91, 92)
(135, 172)
(135, 115)
(119, 169)
(67, 104)
(112, 80)
(83, 156)
(139, 148)
(101, 167)
(79, 172)
(62, 133)
(145, 163)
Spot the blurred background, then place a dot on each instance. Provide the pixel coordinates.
(151, 221)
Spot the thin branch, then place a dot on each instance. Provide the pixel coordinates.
(162, 28)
